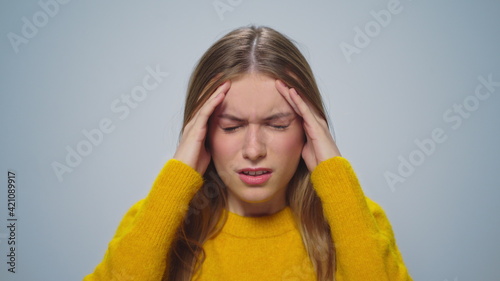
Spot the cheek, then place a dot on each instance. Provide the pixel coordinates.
(222, 147)
(290, 143)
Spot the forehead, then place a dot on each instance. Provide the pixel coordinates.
(253, 96)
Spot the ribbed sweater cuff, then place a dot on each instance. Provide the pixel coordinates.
(172, 191)
(343, 199)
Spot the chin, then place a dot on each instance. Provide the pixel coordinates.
(256, 195)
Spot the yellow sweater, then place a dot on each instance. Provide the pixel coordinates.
(264, 248)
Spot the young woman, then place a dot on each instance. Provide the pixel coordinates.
(257, 189)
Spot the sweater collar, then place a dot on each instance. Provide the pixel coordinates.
(260, 227)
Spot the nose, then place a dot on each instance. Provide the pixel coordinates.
(254, 147)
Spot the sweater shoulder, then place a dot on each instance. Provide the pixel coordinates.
(148, 228)
(174, 180)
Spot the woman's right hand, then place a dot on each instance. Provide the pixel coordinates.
(191, 149)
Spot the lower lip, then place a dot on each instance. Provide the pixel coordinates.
(255, 180)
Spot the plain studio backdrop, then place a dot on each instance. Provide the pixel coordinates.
(91, 105)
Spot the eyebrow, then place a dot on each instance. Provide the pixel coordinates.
(270, 118)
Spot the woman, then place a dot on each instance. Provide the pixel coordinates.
(257, 189)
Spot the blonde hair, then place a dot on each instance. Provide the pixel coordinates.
(266, 51)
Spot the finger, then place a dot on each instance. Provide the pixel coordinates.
(285, 92)
(217, 96)
(197, 124)
(303, 108)
(223, 88)
(314, 124)
(191, 149)
(307, 109)
(316, 129)
(209, 106)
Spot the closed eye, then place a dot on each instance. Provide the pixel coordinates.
(280, 127)
(230, 129)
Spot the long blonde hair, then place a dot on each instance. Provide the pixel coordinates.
(244, 50)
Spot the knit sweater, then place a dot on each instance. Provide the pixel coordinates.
(255, 248)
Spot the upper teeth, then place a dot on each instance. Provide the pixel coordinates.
(254, 173)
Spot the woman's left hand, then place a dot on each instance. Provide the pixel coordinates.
(320, 144)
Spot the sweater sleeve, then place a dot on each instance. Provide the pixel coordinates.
(364, 241)
(139, 249)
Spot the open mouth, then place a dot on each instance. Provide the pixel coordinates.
(255, 176)
(254, 173)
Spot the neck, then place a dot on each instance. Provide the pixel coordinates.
(255, 209)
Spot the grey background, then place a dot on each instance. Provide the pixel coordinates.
(394, 91)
